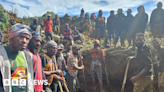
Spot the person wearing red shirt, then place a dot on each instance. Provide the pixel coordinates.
(67, 32)
(48, 28)
(33, 47)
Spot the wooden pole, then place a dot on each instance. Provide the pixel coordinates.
(107, 76)
(125, 77)
(64, 83)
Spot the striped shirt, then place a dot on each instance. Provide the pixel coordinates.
(71, 62)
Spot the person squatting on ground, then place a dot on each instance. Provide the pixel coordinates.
(142, 61)
(72, 67)
(67, 33)
(76, 35)
(119, 27)
(98, 58)
(56, 26)
(14, 62)
(49, 67)
(110, 26)
(159, 62)
(33, 48)
(100, 28)
(157, 21)
(129, 19)
(35, 27)
(48, 28)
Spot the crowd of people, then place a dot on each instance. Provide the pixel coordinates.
(20, 58)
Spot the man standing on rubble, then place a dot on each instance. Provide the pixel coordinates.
(120, 28)
(35, 27)
(159, 62)
(100, 28)
(98, 58)
(129, 20)
(110, 25)
(56, 23)
(48, 28)
(157, 21)
(142, 64)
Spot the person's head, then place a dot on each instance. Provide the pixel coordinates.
(51, 47)
(75, 50)
(56, 16)
(141, 9)
(35, 42)
(156, 43)
(61, 39)
(74, 28)
(159, 5)
(129, 11)
(19, 37)
(35, 21)
(69, 46)
(66, 25)
(96, 43)
(119, 11)
(111, 12)
(49, 16)
(100, 13)
(139, 40)
(60, 49)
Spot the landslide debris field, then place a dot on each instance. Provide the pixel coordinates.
(115, 58)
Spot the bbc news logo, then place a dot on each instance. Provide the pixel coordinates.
(23, 82)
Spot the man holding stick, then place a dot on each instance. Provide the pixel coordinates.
(142, 63)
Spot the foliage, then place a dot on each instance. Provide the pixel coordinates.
(4, 18)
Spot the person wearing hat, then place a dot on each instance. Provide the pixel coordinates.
(56, 25)
(98, 58)
(72, 67)
(100, 28)
(110, 25)
(139, 23)
(48, 23)
(120, 28)
(36, 27)
(33, 48)
(49, 67)
(157, 21)
(14, 62)
(67, 33)
(129, 31)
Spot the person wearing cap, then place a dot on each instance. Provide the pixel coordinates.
(100, 28)
(49, 67)
(110, 26)
(56, 25)
(33, 48)
(139, 22)
(129, 31)
(48, 28)
(119, 28)
(67, 33)
(67, 51)
(76, 35)
(1, 37)
(72, 67)
(61, 64)
(14, 62)
(157, 21)
(36, 27)
(98, 58)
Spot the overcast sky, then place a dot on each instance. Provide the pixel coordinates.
(72, 7)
